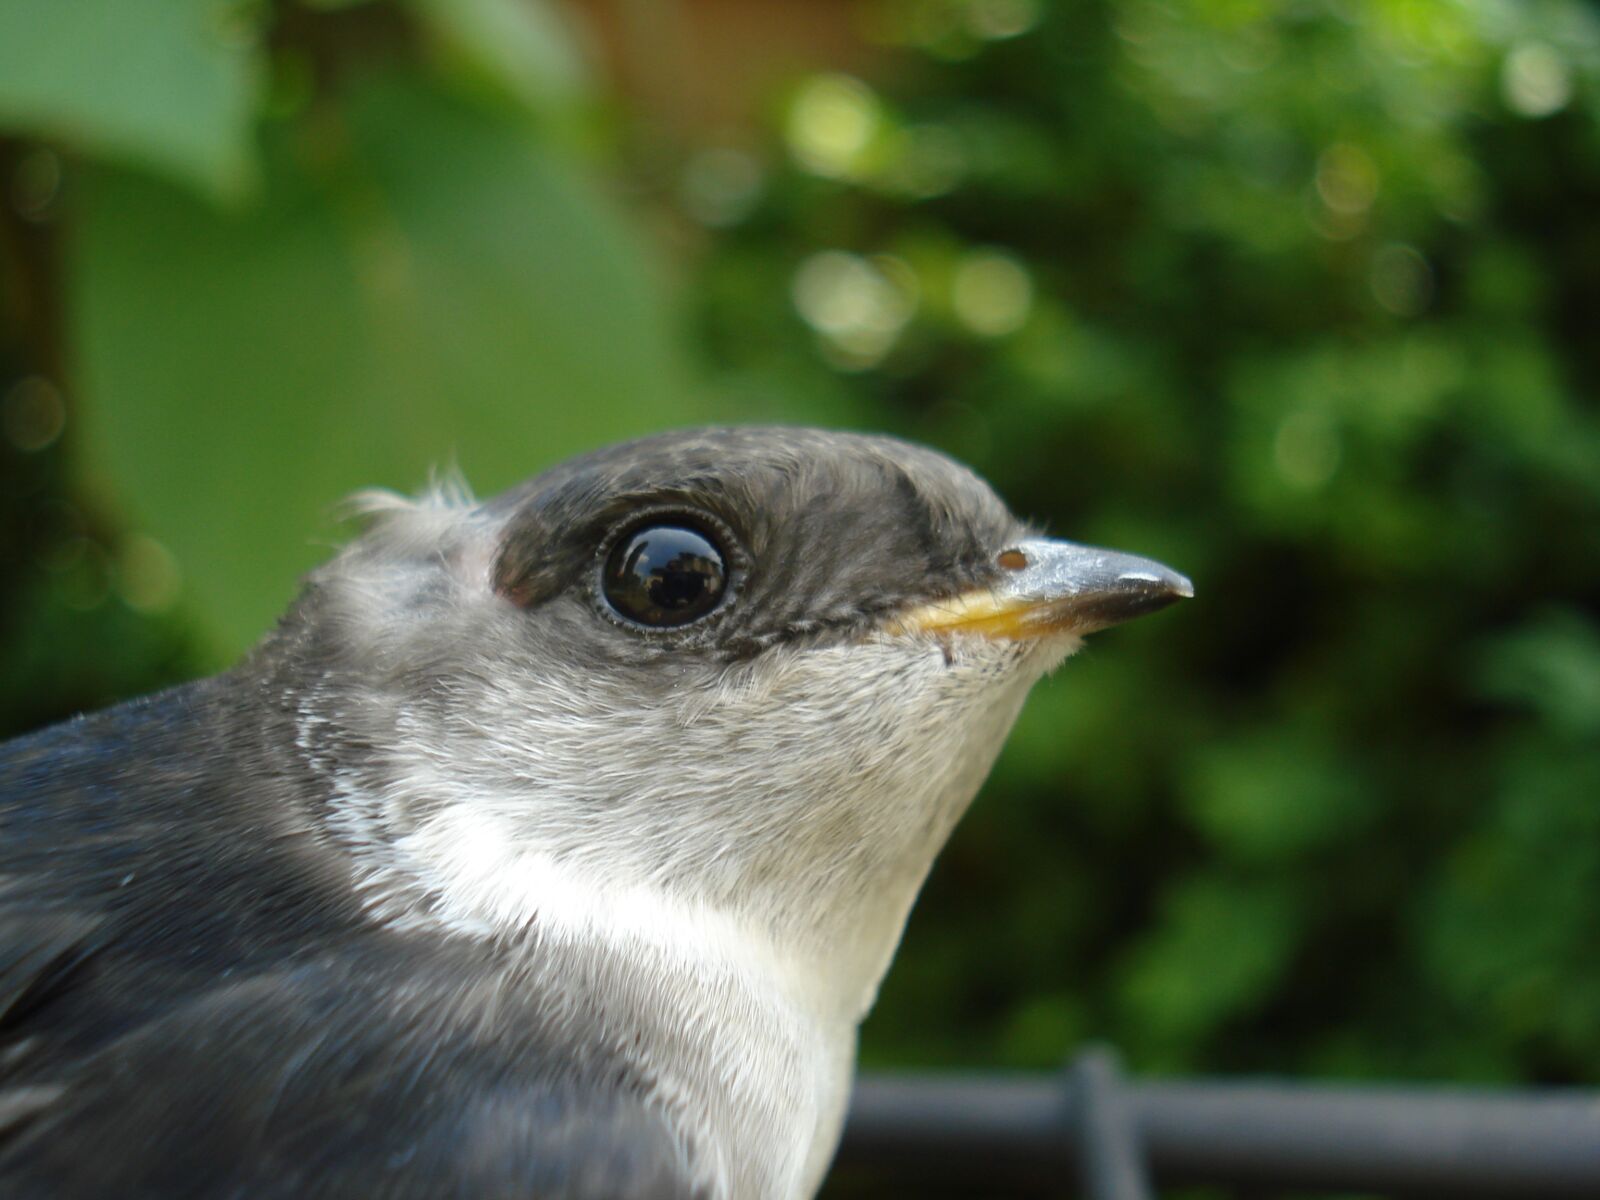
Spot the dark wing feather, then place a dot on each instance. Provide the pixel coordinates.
(194, 1005)
(345, 1079)
(38, 953)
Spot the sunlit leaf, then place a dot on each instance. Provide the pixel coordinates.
(166, 83)
(420, 285)
(523, 46)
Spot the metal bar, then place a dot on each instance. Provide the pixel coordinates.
(1110, 1159)
(1396, 1141)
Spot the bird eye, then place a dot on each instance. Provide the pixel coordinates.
(664, 575)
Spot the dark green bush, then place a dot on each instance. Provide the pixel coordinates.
(1301, 298)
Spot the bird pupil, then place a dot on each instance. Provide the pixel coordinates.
(664, 575)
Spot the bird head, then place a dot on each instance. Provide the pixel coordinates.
(749, 675)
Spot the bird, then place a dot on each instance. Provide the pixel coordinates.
(551, 846)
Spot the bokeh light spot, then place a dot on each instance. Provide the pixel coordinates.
(857, 306)
(147, 575)
(33, 414)
(1535, 80)
(991, 293)
(833, 121)
(36, 183)
(1347, 179)
(995, 20)
(1401, 280)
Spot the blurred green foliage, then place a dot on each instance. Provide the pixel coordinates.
(412, 267)
(1300, 298)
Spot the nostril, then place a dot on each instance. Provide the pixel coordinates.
(1012, 560)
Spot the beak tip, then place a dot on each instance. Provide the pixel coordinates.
(1154, 579)
(1143, 587)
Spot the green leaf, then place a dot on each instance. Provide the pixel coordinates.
(522, 46)
(1550, 664)
(1275, 795)
(420, 284)
(1219, 947)
(168, 84)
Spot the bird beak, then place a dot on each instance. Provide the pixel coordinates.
(1049, 587)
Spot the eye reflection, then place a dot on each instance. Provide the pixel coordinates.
(664, 575)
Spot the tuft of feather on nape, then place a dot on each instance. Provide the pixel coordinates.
(447, 488)
(447, 491)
